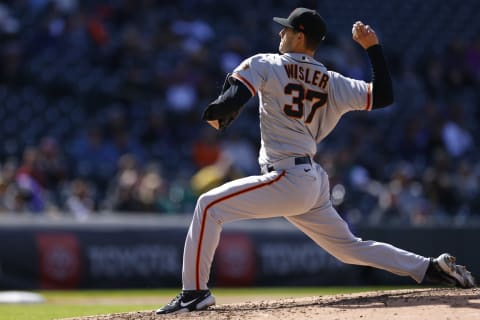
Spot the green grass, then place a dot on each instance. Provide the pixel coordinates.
(64, 304)
(45, 311)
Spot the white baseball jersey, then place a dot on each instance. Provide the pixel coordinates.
(300, 103)
(301, 99)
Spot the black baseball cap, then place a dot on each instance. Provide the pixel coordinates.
(305, 20)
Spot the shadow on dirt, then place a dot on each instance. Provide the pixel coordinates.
(454, 298)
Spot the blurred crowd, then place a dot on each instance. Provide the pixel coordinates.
(100, 105)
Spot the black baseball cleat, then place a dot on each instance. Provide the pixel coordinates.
(189, 300)
(444, 271)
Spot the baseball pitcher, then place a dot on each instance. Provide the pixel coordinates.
(300, 102)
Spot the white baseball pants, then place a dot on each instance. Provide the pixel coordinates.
(299, 193)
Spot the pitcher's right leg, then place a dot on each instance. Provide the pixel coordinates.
(250, 197)
(331, 232)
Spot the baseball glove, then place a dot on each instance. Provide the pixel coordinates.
(215, 111)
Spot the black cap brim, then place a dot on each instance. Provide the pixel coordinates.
(283, 22)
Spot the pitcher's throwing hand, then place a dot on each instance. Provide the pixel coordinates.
(364, 35)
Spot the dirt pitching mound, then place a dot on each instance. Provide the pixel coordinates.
(438, 304)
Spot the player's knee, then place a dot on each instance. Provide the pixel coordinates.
(348, 251)
(205, 204)
(203, 201)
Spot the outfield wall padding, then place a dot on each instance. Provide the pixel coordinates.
(139, 256)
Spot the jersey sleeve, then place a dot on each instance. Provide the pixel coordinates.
(346, 94)
(252, 72)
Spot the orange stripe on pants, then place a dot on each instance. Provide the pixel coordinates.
(204, 214)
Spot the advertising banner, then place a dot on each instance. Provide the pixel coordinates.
(138, 257)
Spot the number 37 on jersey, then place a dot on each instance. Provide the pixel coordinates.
(301, 98)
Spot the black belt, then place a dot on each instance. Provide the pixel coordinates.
(298, 160)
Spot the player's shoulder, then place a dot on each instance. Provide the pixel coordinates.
(259, 61)
(335, 75)
(265, 58)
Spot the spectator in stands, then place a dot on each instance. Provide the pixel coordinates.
(122, 196)
(7, 185)
(30, 195)
(80, 199)
(91, 157)
(53, 167)
(206, 149)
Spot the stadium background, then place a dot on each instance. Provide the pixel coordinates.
(100, 105)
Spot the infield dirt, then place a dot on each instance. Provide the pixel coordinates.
(437, 304)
